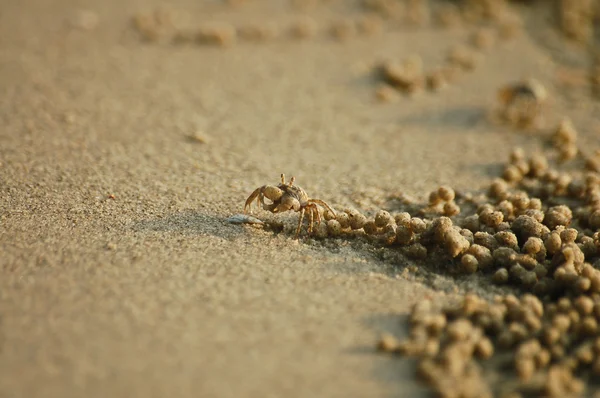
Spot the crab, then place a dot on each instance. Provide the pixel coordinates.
(286, 197)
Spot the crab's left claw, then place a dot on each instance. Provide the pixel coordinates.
(272, 193)
(251, 199)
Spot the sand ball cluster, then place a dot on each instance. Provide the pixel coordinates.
(463, 57)
(522, 103)
(343, 29)
(516, 237)
(546, 345)
(406, 76)
(154, 25)
(388, 9)
(222, 34)
(484, 38)
(564, 140)
(490, 20)
(478, 10)
(347, 28)
(257, 32)
(405, 13)
(502, 22)
(442, 201)
(595, 76)
(448, 15)
(537, 230)
(344, 222)
(444, 14)
(164, 25)
(410, 77)
(577, 18)
(304, 27)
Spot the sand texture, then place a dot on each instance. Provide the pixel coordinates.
(121, 159)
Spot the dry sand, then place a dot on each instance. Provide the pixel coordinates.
(120, 276)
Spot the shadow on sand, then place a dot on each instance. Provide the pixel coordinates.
(463, 117)
(193, 223)
(392, 370)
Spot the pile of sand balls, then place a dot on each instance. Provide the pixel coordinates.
(548, 344)
(577, 18)
(164, 25)
(538, 230)
(373, 17)
(406, 76)
(564, 140)
(444, 14)
(515, 234)
(405, 13)
(595, 75)
(522, 103)
(409, 76)
(442, 200)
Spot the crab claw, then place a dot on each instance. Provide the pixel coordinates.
(272, 193)
(251, 199)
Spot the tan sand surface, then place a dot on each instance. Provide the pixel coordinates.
(120, 277)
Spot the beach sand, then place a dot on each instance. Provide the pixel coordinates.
(121, 277)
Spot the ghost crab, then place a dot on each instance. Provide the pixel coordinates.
(286, 197)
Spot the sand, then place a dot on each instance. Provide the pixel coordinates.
(120, 276)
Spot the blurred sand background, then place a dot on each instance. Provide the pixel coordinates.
(120, 276)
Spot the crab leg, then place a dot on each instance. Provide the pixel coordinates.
(300, 223)
(312, 215)
(318, 215)
(322, 203)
